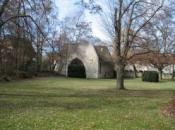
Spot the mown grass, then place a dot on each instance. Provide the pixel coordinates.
(78, 104)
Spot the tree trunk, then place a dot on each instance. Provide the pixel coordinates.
(1, 67)
(38, 63)
(135, 71)
(120, 76)
(173, 73)
(160, 74)
(173, 76)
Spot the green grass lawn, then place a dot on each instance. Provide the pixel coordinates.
(76, 104)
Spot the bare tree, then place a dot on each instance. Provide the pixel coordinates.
(26, 19)
(127, 20)
(161, 34)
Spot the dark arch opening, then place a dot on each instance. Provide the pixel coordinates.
(76, 69)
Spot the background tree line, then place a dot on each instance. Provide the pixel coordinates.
(33, 39)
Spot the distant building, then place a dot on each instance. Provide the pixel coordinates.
(86, 60)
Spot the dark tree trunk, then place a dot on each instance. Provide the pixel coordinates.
(1, 67)
(173, 73)
(38, 64)
(173, 76)
(39, 61)
(160, 74)
(135, 71)
(120, 76)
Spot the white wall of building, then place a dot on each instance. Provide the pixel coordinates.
(87, 54)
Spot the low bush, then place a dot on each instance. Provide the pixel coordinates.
(5, 79)
(23, 74)
(128, 74)
(150, 76)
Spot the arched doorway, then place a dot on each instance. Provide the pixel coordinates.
(76, 69)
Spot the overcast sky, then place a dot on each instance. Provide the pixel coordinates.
(68, 8)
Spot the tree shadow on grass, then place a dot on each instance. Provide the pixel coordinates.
(88, 93)
(65, 105)
(75, 99)
(147, 93)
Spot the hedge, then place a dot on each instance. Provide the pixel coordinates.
(150, 76)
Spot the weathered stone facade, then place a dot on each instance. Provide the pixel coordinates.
(97, 60)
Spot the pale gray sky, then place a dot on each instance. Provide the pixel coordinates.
(68, 8)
